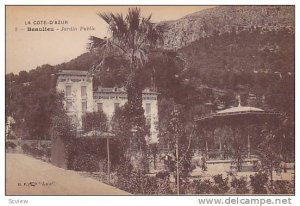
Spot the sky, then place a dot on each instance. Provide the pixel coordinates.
(25, 50)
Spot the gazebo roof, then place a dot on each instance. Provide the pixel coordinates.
(238, 115)
(239, 109)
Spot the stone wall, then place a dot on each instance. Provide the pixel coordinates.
(58, 153)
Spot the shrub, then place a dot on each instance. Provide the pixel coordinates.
(148, 185)
(10, 145)
(95, 148)
(26, 148)
(48, 152)
(202, 186)
(86, 162)
(258, 183)
(33, 151)
(164, 187)
(124, 171)
(163, 175)
(136, 182)
(36, 152)
(240, 185)
(196, 186)
(283, 187)
(103, 165)
(189, 187)
(221, 185)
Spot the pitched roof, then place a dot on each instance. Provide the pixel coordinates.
(73, 72)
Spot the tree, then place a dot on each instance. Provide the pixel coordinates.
(31, 101)
(23, 76)
(270, 151)
(181, 144)
(61, 125)
(237, 147)
(154, 152)
(132, 39)
(92, 121)
(130, 144)
(62, 133)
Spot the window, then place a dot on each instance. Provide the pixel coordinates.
(69, 106)
(148, 108)
(100, 107)
(68, 91)
(83, 91)
(117, 105)
(148, 121)
(84, 107)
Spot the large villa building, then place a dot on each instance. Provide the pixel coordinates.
(80, 98)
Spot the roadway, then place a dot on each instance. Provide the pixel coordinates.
(28, 176)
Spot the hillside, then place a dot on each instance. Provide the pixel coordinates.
(222, 53)
(224, 19)
(249, 38)
(240, 49)
(246, 51)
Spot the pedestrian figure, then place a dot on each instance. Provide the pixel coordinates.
(167, 161)
(225, 151)
(203, 161)
(284, 167)
(259, 165)
(278, 171)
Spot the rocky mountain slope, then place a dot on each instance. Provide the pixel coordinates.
(224, 19)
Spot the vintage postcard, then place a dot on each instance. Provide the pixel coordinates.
(150, 100)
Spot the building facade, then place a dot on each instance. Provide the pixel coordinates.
(80, 98)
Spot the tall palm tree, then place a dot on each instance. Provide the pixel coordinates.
(131, 38)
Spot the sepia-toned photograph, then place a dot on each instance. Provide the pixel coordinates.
(150, 100)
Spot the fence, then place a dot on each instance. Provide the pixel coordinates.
(35, 143)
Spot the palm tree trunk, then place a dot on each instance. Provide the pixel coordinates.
(134, 92)
(138, 122)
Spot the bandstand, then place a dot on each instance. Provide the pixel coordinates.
(239, 118)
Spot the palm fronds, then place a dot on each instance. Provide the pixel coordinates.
(133, 19)
(95, 42)
(105, 16)
(133, 36)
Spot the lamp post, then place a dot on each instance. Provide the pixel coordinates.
(176, 151)
(108, 159)
(177, 166)
(108, 135)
